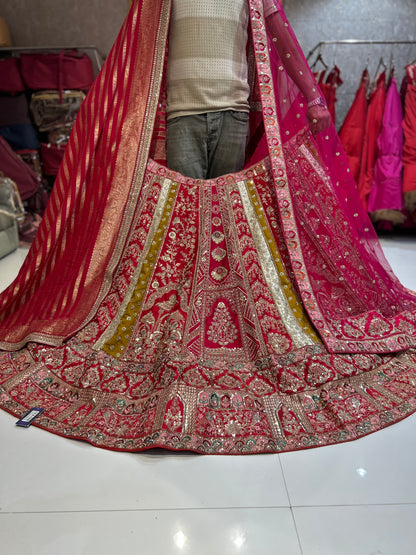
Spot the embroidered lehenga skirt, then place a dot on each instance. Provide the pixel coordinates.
(250, 313)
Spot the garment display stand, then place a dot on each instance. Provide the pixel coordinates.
(357, 41)
(49, 131)
(403, 221)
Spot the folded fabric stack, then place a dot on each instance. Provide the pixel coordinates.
(40, 95)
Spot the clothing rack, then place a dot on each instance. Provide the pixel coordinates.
(358, 41)
(409, 225)
(97, 56)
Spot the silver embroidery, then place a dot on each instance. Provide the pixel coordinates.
(271, 275)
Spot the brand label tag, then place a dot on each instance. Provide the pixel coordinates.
(29, 417)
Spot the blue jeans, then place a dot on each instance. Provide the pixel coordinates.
(205, 146)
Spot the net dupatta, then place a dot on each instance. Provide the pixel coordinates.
(332, 252)
(70, 265)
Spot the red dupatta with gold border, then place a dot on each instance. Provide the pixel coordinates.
(332, 255)
(70, 265)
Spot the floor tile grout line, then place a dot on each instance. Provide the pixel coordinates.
(296, 530)
(284, 481)
(189, 509)
(140, 510)
(290, 506)
(334, 505)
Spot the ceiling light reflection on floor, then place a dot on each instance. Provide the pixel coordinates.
(180, 539)
(238, 539)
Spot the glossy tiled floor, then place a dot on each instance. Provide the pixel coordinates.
(61, 497)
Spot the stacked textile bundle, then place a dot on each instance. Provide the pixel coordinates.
(40, 95)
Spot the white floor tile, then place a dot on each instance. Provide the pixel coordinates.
(204, 532)
(10, 266)
(401, 254)
(376, 469)
(384, 461)
(44, 472)
(364, 530)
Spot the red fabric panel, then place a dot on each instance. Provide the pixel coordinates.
(352, 130)
(372, 131)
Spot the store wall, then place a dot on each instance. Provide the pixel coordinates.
(64, 22)
(68, 22)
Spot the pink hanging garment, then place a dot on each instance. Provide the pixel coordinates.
(352, 130)
(328, 86)
(325, 87)
(386, 200)
(372, 131)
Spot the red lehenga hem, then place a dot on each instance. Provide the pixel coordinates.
(344, 411)
(208, 348)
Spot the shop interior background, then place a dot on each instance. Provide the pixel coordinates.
(97, 22)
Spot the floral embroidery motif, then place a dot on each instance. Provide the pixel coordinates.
(222, 330)
(218, 237)
(219, 273)
(174, 415)
(218, 254)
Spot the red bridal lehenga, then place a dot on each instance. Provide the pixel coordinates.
(250, 313)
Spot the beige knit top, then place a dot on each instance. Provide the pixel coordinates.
(207, 62)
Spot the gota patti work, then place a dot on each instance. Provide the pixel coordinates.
(250, 313)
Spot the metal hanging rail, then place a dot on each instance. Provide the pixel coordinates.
(358, 41)
(97, 56)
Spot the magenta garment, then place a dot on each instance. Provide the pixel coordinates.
(386, 192)
(409, 148)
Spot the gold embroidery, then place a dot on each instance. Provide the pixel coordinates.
(217, 237)
(120, 338)
(222, 330)
(291, 312)
(219, 273)
(219, 254)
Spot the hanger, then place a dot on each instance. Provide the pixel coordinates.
(408, 56)
(392, 56)
(335, 54)
(381, 64)
(319, 58)
(412, 63)
(392, 69)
